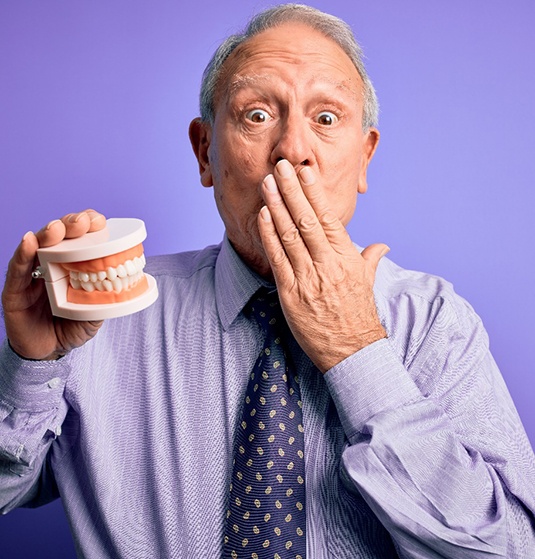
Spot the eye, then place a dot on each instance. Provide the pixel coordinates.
(257, 116)
(326, 118)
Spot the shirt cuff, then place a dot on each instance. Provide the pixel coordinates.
(31, 386)
(371, 381)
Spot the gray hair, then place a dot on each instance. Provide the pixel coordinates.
(331, 26)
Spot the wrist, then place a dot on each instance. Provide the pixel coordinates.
(54, 356)
(336, 353)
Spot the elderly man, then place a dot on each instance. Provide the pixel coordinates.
(363, 417)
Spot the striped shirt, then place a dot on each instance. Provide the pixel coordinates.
(413, 447)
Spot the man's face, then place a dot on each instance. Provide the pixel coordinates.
(287, 93)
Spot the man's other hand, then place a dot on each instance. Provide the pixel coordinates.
(33, 332)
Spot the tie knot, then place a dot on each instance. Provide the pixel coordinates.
(266, 309)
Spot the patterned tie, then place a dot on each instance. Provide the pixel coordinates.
(266, 515)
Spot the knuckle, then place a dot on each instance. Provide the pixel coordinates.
(278, 257)
(290, 236)
(329, 220)
(339, 273)
(334, 273)
(277, 204)
(307, 223)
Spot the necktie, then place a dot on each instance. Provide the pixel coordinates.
(266, 513)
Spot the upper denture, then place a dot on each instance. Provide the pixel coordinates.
(105, 280)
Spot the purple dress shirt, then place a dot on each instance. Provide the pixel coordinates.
(413, 447)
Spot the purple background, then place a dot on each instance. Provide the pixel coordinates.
(96, 97)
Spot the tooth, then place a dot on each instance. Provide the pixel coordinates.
(126, 283)
(130, 267)
(101, 275)
(138, 264)
(117, 285)
(88, 286)
(84, 277)
(121, 271)
(93, 276)
(111, 273)
(142, 258)
(107, 285)
(75, 284)
(98, 285)
(74, 275)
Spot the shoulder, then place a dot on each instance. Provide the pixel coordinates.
(183, 264)
(423, 310)
(397, 287)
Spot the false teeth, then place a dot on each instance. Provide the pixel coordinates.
(123, 277)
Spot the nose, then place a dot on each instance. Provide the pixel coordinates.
(294, 142)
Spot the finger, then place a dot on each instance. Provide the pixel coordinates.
(51, 234)
(70, 226)
(284, 226)
(76, 224)
(319, 226)
(373, 254)
(332, 227)
(298, 204)
(97, 221)
(19, 271)
(20, 290)
(291, 191)
(275, 252)
(295, 220)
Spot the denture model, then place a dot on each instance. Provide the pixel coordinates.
(99, 275)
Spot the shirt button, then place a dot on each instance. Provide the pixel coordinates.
(54, 383)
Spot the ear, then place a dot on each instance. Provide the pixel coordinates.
(200, 135)
(371, 141)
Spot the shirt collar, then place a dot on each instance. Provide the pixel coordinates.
(235, 284)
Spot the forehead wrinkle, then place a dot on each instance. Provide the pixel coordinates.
(252, 80)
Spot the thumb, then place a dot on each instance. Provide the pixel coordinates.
(19, 271)
(373, 253)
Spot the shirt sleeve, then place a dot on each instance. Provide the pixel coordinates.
(436, 446)
(32, 410)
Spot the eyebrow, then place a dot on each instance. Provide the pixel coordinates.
(242, 82)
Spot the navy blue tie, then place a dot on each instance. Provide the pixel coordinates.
(266, 513)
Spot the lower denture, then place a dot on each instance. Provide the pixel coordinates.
(82, 297)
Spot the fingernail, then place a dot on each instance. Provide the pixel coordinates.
(385, 251)
(74, 218)
(26, 235)
(265, 214)
(270, 183)
(51, 223)
(284, 168)
(307, 176)
(93, 215)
